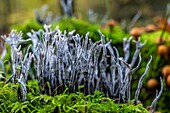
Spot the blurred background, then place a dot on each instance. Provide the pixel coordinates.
(16, 11)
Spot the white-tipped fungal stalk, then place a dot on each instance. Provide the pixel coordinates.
(68, 60)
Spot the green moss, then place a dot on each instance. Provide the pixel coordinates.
(27, 26)
(63, 103)
(83, 27)
(151, 37)
(8, 96)
(80, 26)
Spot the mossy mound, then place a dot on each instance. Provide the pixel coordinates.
(63, 103)
(81, 27)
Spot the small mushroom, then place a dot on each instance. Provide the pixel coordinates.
(135, 32)
(163, 51)
(166, 70)
(111, 23)
(152, 83)
(168, 80)
(150, 28)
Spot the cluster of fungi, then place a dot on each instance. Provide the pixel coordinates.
(163, 48)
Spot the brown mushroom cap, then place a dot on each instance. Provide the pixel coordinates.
(111, 23)
(150, 28)
(152, 83)
(166, 70)
(168, 80)
(163, 51)
(136, 32)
